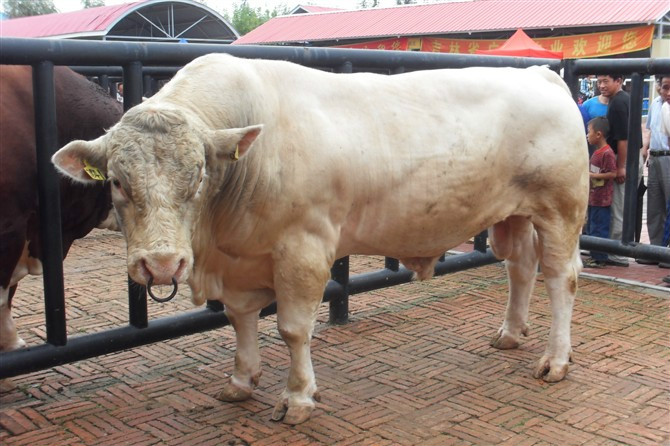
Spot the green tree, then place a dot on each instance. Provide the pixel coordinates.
(25, 8)
(92, 3)
(245, 18)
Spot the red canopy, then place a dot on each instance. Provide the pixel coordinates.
(520, 45)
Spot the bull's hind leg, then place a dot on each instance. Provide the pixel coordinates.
(561, 265)
(514, 240)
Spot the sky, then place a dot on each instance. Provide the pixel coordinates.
(223, 6)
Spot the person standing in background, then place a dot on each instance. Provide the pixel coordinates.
(665, 125)
(601, 173)
(618, 110)
(594, 107)
(658, 162)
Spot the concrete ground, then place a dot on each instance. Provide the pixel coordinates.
(413, 367)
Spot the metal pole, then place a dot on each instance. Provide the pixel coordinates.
(480, 241)
(346, 67)
(147, 82)
(391, 263)
(46, 138)
(339, 304)
(570, 78)
(632, 160)
(103, 81)
(137, 294)
(132, 84)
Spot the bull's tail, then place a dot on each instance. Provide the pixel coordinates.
(549, 75)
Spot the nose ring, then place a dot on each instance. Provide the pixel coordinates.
(162, 299)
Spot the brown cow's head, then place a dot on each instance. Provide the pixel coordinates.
(162, 163)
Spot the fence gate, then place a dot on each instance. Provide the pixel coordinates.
(135, 63)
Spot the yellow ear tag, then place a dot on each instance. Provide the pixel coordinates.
(93, 172)
(235, 156)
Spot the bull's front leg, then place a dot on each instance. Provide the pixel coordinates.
(247, 371)
(299, 282)
(243, 312)
(9, 337)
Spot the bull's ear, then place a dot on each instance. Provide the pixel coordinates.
(83, 161)
(233, 144)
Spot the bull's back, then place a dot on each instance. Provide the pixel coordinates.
(435, 155)
(438, 156)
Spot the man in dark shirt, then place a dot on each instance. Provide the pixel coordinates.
(610, 85)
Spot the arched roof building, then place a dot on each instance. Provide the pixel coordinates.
(149, 20)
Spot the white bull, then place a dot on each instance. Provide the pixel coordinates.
(405, 166)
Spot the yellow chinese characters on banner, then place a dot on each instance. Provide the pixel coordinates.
(578, 46)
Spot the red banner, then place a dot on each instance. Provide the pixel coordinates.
(579, 46)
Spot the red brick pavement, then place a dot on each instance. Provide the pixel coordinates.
(413, 367)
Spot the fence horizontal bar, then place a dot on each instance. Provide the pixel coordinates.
(80, 52)
(622, 66)
(362, 283)
(634, 250)
(39, 357)
(84, 347)
(118, 71)
(78, 348)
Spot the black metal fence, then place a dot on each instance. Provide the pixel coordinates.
(136, 64)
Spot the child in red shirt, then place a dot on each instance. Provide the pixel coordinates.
(602, 174)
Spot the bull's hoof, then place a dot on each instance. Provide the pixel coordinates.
(297, 415)
(550, 372)
(291, 415)
(12, 345)
(294, 414)
(232, 392)
(504, 340)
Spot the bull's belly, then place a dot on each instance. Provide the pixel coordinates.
(402, 238)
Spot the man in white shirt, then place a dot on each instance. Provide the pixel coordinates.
(658, 162)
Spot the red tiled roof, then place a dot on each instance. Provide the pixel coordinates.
(455, 17)
(77, 22)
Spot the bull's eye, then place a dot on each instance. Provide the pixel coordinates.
(116, 183)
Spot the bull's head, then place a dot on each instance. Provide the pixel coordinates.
(162, 163)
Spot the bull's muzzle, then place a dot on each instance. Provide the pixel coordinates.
(162, 299)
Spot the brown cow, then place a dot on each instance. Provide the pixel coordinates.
(84, 110)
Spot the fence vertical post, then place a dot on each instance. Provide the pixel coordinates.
(148, 82)
(571, 78)
(51, 244)
(391, 263)
(480, 241)
(346, 67)
(137, 294)
(339, 305)
(103, 81)
(632, 161)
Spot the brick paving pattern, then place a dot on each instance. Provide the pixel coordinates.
(413, 367)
